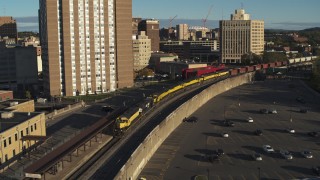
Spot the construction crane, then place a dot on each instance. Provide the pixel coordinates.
(170, 22)
(205, 20)
(170, 25)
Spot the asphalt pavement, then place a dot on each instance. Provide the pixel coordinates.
(185, 153)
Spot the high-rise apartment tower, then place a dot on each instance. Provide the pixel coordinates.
(86, 45)
(239, 36)
(151, 27)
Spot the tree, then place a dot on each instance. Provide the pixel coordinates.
(274, 57)
(250, 58)
(28, 95)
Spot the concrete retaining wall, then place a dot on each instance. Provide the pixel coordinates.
(59, 112)
(147, 148)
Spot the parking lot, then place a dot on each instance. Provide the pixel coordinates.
(185, 153)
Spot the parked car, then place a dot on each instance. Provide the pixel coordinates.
(273, 111)
(228, 123)
(258, 132)
(316, 170)
(191, 119)
(225, 135)
(107, 109)
(313, 134)
(300, 100)
(307, 154)
(286, 154)
(213, 157)
(257, 157)
(303, 110)
(290, 130)
(268, 148)
(219, 152)
(250, 120)
(264, 111)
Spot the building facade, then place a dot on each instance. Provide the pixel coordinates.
(240, 36)
(141, 51)
(5, 95)
(18, 132)
(86, 46)
(151, 27)
(18, 68)
(182, 32)
(8, 28)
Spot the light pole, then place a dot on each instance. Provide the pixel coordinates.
(259, 173)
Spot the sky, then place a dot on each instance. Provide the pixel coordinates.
(275, 13)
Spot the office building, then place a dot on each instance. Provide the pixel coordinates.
(8, 28)
(141, 51)
(151, 27)
(182, 32)
(86, 46)
(202, 51)
(19, 68)
(135, 24)
(240, 36)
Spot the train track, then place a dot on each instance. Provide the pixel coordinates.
(121, 149)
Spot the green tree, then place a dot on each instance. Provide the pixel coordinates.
(274, 57)
(28, 95)
(250, 58)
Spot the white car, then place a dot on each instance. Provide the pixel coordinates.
(307, 154)
(290, 130)
(257, 157)
(286, 154)
(250, 120)
(273, 111)
(268, 149)
(225, 135)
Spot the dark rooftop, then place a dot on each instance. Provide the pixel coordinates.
(18, 118)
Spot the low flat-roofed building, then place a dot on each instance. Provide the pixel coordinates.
(5, 95)
(158, 57)
(17, 105)
(18, 132)
(175, 68)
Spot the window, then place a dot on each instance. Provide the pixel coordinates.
(31, 128)
(16, 137)
(13, 152)
(27, 131)
(9, 140)
(35, 126)
(21, 133)
(5, 143)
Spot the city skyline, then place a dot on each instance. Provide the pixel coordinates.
(276, 14)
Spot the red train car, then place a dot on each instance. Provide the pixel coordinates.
(234, 72)
(198, 72)
(272, 64)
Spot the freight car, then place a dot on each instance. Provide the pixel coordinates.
(198, 72)
(124, 121)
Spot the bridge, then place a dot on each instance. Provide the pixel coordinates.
(93, 134)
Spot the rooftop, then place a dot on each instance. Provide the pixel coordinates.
(6, 104)
(18, 118)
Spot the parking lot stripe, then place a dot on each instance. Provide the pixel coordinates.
(280, 177)
(254, 176)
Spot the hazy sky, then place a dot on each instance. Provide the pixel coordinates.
(271, 11)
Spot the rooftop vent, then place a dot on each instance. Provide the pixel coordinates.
(6, 115)
(13, 103)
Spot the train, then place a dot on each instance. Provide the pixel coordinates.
(124, 121)
(198, 72)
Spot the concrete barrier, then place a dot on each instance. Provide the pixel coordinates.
(152, 142)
